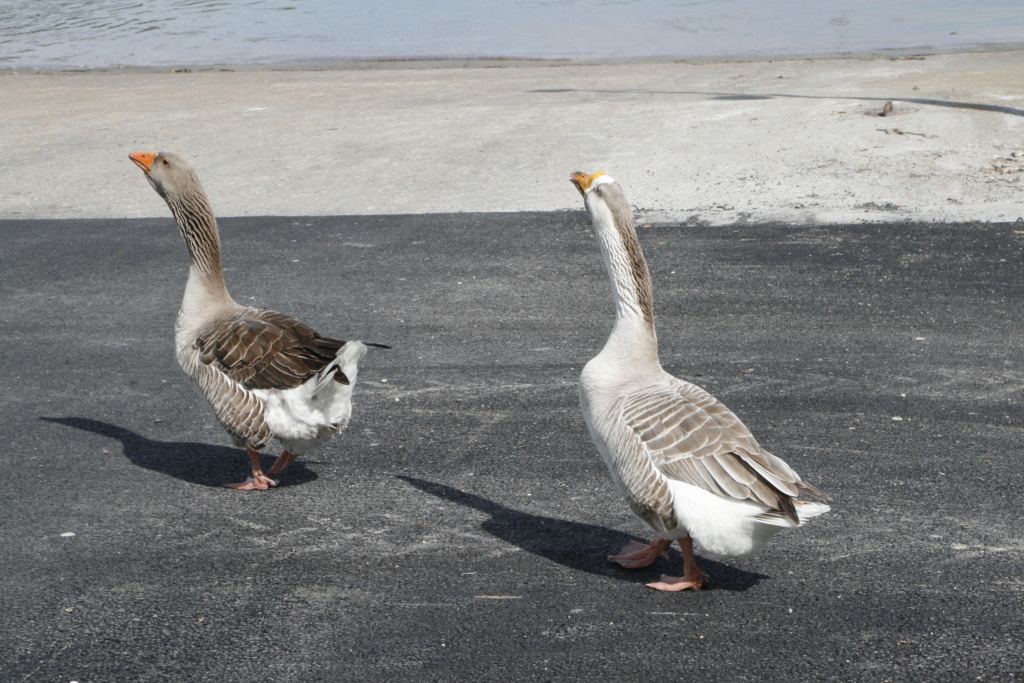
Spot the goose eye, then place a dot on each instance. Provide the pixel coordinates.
(165, 162)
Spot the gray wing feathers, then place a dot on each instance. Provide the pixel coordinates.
(646, 491)
(692, 437)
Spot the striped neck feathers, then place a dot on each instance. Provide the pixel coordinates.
(198, 227)
(613, 224)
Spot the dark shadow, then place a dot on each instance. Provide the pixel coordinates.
(582, 547)
(196, 463)
(997, 108)
(741, 97)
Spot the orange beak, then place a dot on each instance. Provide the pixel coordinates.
(582, 181)
(143, 160)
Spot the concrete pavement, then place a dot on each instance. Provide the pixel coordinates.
(797, 140)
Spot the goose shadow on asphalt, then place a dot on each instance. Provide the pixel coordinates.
(196, 463)
(578, 546)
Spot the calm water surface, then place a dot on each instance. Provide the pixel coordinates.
(103, 33)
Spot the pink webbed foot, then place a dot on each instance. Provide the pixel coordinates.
(637, 555)
(680, 583)
(692, 578)
(254, 483)
(258, 481)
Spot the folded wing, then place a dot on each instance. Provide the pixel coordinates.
(267, 350)
(690, 436)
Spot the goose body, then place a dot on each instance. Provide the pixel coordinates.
(265, 374)
(686, 465)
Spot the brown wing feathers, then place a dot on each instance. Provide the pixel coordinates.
(267, 350)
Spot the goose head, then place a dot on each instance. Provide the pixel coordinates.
(585, 183)
(168, 173)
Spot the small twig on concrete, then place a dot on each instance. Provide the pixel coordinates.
(897, 131)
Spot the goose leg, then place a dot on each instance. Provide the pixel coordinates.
(281, 464)
(692, 576)
(637, 555)
(258, 481)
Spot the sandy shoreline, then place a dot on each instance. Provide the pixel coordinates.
(793, 140)
(453, 62)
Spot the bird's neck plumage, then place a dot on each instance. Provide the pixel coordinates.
(630, 278)
(206, 294)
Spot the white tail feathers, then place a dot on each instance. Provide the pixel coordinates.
(347, 361)
(805, 510)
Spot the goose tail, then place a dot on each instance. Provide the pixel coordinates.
(344, 368)
(805, 510)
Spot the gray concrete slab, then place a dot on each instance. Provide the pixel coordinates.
(457, 530)
(717, 143)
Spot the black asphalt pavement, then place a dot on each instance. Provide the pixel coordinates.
(457, 530)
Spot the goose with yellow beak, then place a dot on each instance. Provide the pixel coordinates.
(686, 465)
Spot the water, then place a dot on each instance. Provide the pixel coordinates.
(159, 33)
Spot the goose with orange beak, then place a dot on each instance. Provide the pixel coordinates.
(687, 466)
(266, 375)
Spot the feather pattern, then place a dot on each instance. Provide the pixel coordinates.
(685, 463)
(239, 411)
(267, 350)
(691, 436)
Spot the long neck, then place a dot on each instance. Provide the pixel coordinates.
(205, 291)
(632, 342)
(627, 268)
